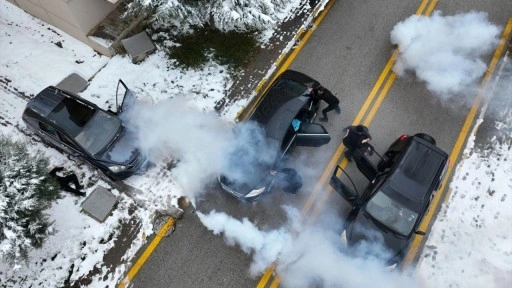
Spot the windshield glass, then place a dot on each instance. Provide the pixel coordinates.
(391, 213)
(98, 132)
(282, 91)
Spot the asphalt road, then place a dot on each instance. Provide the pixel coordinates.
(347, 52)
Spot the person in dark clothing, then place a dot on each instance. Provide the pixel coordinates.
(355, 138)
(312, 4)
(288, 179)
(65, 181)
(321, 93)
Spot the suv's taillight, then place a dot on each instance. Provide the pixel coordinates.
(403, 136)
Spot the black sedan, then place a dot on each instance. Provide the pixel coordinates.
(79, 127)
(401, 187)
(281, 120)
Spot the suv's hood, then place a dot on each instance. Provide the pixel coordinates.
(364, 229)
(123, 150)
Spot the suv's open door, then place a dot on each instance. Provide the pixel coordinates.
(364, 165)
(312, 134)
(127, 99)
(348, 194)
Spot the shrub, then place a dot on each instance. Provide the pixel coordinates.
(26, 192)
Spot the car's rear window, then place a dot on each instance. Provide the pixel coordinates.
(281, 92)
(416, 173)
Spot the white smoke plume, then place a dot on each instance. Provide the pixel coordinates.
(445, 51)
(201, 144)
(305, 256)
(266, 245)
(192, 138)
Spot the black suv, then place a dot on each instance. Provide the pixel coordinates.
(284, 115)
(398, 196)
(79, 127)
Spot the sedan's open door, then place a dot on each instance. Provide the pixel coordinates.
(312, 134)
(124, 97)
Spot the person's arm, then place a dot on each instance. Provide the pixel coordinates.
(346, 131)
(366, 133)
(311, 93)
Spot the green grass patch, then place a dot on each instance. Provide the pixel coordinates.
(227, 48)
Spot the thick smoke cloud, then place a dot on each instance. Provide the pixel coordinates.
(445, 51)
(306, 256)
(172, 130)
(266, 245)
(200, 143)
(248, 152)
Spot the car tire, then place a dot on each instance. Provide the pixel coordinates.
(426, 137)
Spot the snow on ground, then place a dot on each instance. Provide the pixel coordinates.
(30, 65)
(470, 242)
(36, 55)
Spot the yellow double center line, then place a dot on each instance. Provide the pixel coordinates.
(426, 7)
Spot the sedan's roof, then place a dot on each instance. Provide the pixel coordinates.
(279, 123)
(281, 103)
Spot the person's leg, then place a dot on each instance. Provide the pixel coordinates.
(338, 109)
(324, 113)
(70, 189)
(327, 109)
(73, 180)
(324, 118)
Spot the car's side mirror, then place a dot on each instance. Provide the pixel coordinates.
(418, 232)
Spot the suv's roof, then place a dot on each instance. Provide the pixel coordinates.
(417, 170)
(45, 101)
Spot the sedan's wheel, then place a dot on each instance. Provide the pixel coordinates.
(426, 137)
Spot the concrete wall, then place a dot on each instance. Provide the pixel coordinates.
(89, 13)
(75, 17)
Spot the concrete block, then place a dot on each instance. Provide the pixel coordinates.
(73, 83)
(99, 204)
(138, 46)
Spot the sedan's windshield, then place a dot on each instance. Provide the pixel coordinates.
(98, 132)
(391, 213)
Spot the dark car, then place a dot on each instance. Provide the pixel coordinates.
(284, 115)
(397, 198)
(79, 127)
